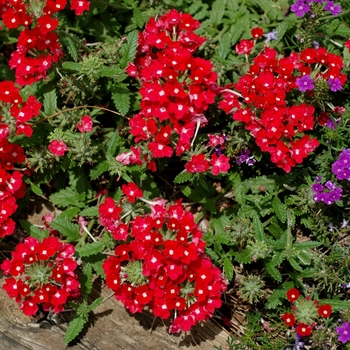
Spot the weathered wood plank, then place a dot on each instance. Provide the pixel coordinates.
(111, 328)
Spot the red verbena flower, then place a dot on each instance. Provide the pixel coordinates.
(325, 310)
(289, 319)
(58, 148)
(293, 294)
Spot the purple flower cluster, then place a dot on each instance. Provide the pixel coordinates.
(332, 124)
(344, 332)
(334, 84)
(327, 193)
(245, 157)
(305, 83)
(301, 7)
(341, 167)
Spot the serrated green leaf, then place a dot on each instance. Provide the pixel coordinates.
(74, 328)
(183, 177)
(67, 197)
(275, 299)
(218, 225)
(280, 209)
(95, 304)
(112, 145)
(244, 257)
(86, 279)
(210, 205)
(305, 256)
(99, 169)
(96, 263)
(225, 46)
(337, 305)
(238, 188)
(295, 265)
(247, 211)
(228, 268)
(50, 102)
(306, 245)
(90, 249)
(258, 229)
(273, 271)
(91, 211)
(71, 66)
(66, 227)
(71, 47)
(34, 231)
(111, 71)
(121, 98)
(70, 212)
(217, 11)
(129, 49)
(36, 189)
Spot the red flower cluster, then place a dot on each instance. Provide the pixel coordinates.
(37, 37)
(43, 274)
(162, 265)
(278, 128)
(176, 87)
(290, 318)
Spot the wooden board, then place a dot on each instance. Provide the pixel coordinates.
(111, 328)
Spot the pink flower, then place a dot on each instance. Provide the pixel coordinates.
(58, 148)
(85, 124)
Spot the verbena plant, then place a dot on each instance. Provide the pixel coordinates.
(180, 139)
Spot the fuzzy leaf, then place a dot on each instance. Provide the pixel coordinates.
(218, 225)
(244, 257)
(112, 145)
(217, 12)
(71, 47)
(247, 211)
(91, 211)
(121, 98)
(74, 328)
(225, 46)
(306, 245)
(275, 299)
(99, 169)
(129, 49)
(90, 249)
(95, 304)
(273, 271)
(50, 102)
(63, 224)
(279, 209)
(295, 265)
(67, 197)
(111, 71)
(337, 305)
(183, 177)
(71, 66)
(70, 212)
(96, 263)
(228, 268)
(34, 231)
(86, 279)
(36, 189)
(259, 229)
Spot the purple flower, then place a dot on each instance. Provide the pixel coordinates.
(328, 194)
(270, 36)
(244, 157)
(334, 84)
(344, 332)
(305, 83)
(341, 167)
(300, 8)
(332, 124)
(333, 9)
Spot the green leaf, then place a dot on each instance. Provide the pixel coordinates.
(74, 328)
(306, 245)
(99, 169)
(50, 102)
(71, 66)
(70, 212)
(295, 265)
(280, 209)
(67, 197)
(238, 188)
(217, 12)
(273, 271)
(36, 189)
(34, 231)
(304, 256)
(259, 229)
(96, 263)
(91, 211)
(71, 46)
(275, 299)
(244, 257)
(86, 279)
(111, 71)
(218, 225)
(129, 49)
(247, 211)
(228, 268)
(90, 249)
(225, 46)
(183, 177)
(337, 305)
(66, 227)
(95, 304)
(112, 145)
(121, 98)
